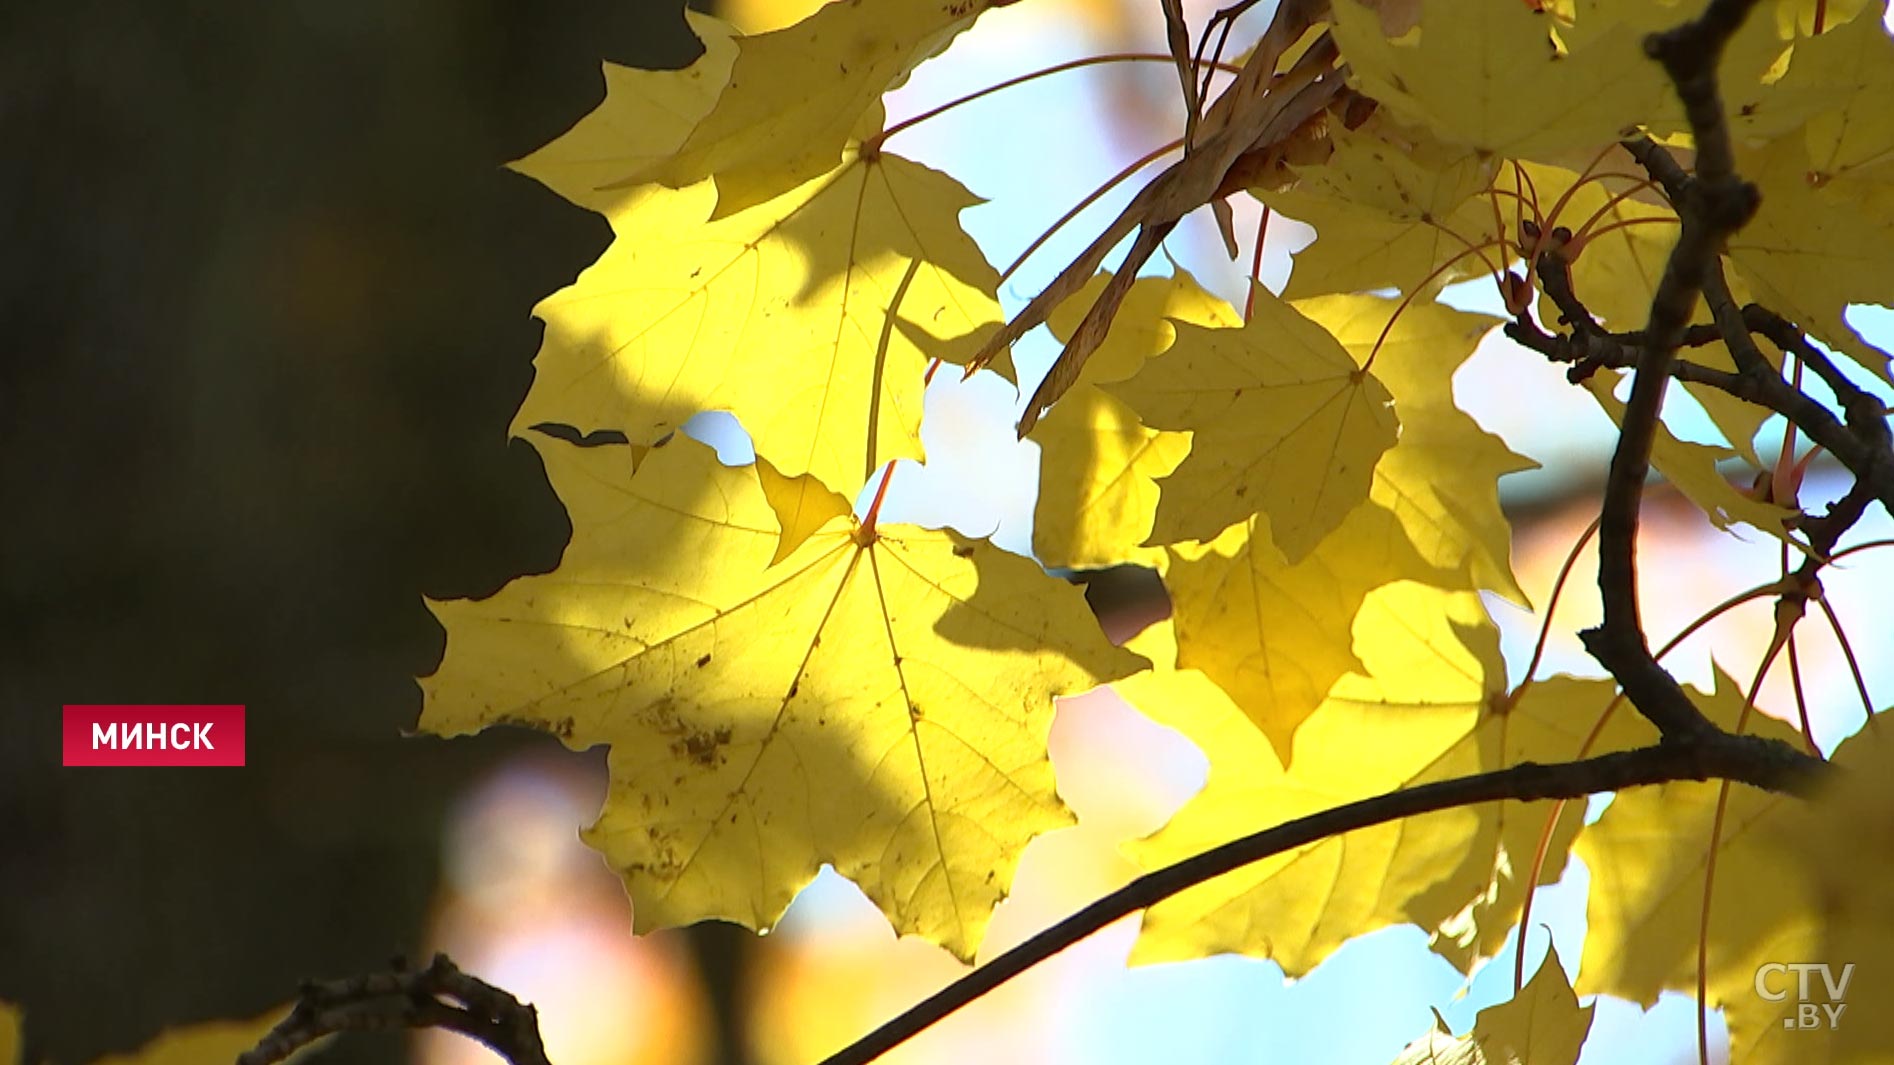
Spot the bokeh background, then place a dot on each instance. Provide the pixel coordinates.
(266, 294)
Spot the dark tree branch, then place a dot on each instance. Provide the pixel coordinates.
(439, 996)
(1767, 764)
(1861, 446)
(1711, 206)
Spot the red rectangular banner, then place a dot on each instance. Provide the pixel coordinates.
(154, 735)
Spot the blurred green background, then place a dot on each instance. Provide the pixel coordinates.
(266, 293)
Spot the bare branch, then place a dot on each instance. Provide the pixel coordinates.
(439, 996)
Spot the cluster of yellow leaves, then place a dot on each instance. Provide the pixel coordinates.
(784, 683)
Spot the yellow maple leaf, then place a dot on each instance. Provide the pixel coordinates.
(1299, 906)
(1850, 71)
(1541, 1025)
(1275, 634)
(1649, 855)
(1424, 709)
(645, 116)
(1827, 185)
(1099, 465)
(878, 703)
(1441, 479)
(1488, 75)
(810, 318)
(1098, 469)
(794, 96)
(1284, 423)
(1388, 206)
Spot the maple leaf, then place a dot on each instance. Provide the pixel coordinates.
(1284, 423)
(1441, 479)
(880, 703)
(1388, 206)
(645, 117)
(1488, 75)
(1423, 709)
(1541, 1025)
(1275, 634)
(1098, 463)
(810, 318)
(758, 141)
(1816, 244)
(1648, 857)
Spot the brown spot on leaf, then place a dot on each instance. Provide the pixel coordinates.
(703, 748)
(703, 661)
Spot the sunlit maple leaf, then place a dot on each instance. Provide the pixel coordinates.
(810, 318)
(1426, 709)
(793, 96)
(1284, 423)
(1649, 855)
(878, 703)
(1275, 634)
(1099, 465)
(1441, 479)
(1389, 207)
(1541, 1025)
(1487, 75)
(645, 116)
(1826, 196)
(1850, 70)
(1298, 907)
